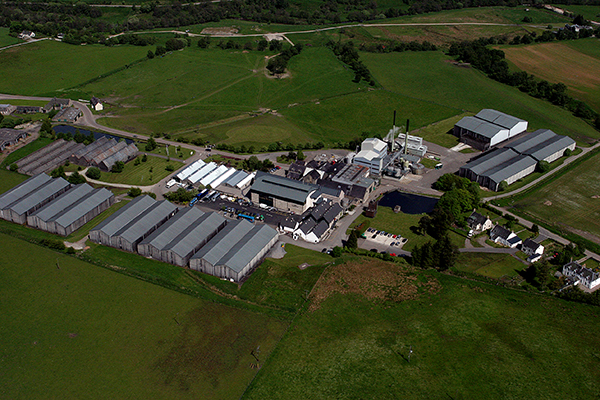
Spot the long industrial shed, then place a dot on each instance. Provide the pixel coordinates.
(71, 210)
(20, 191)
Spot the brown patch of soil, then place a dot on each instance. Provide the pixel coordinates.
(224, 30)
(375, 280)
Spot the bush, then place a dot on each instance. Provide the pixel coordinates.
(14, 167)
(53, 244)
(134, 192)
(93, 173)
(70, 250)
(567, 153)
(170, 168)
(76, 178)
(151, 145)
(543, 166)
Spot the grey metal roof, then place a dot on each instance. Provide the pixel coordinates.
(228, 238)
(235, 178)
(332, 213)
(490, 160)
(138, 227)
(321, 228)
(8, 134)
(541, 144)
(79, 209)
(91, 147)
(248, 247)
(498, 118)
(481, 127)
(283, 188)
(188, 240)
(510, 168)
(39, 195)
(63, 202)
(23, 189)
(161, 237)
(69, 113)
(126, 214)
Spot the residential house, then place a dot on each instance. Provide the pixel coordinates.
(581, 275)
(505, 237)
(479, 223)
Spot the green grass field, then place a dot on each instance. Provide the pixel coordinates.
(140, 174)
(588, 12)
(572, 200)
(469, 340)
(28, 65)
(409, 75)
(73, 329)
(489, 264)
(85, 229)
(8, 180)
(6, 40)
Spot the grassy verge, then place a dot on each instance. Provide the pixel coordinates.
(85, 229)
(492, 265)
(25, 151)
(146, 173)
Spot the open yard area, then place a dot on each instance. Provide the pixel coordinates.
(561, 63)
(143, 174)
(69, 327)
(572, 200)
(6, 40)
(489, 264)
(468, 340)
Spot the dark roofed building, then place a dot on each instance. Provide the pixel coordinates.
(27, 110)
(505, 237)
(581, 275)
(69, 114)
(56, 104)
(282, 193)
(478, 222)
(10, 137)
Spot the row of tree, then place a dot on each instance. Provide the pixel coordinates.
(278, 64)
(348, 54)
(271, 148)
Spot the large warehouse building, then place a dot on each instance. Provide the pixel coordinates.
(543, 145)
(208, 242)
(488, 128)
(20, 208)
(282, 193)
(133, 223)
(71, 210)
(235, 251)
(517, 160)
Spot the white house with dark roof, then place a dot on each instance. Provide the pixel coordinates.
(581, 275)
(505, 237)
(479, 223)
(96, 104)
(534, 250)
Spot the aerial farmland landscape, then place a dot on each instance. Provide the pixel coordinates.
(299, 200)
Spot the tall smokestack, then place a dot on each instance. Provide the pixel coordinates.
(406, 137)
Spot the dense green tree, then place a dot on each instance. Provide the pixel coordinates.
(336, 252)
(151, 144)
(262, 45)
(144, 158)
(58, 172)
(502, 186)
(134, 192)
(543, 166)
(76, 178)
(150, 54)
(118, 167)
(301, 155)
(93, 173)
(352, 242)
(13, 167)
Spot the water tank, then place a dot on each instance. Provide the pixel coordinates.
(417, 169)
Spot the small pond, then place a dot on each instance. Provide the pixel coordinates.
(409, 203)
(97, 135)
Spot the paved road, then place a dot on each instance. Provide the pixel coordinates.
(22, 43)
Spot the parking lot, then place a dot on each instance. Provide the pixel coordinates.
(384, 238)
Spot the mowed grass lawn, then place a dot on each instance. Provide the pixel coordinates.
(6, 40)
(571, 200)
(29, 66)
(8, 180)
(469, 341)
(489, 264)
(561, 63)
(431, 77)
(140, 174)
(72, 329)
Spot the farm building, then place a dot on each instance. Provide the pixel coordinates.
(104, 153)
(20, 191)
(282, 193)
(543, 145)
(18, 210)
(10, 137)
(235, 251)
(27, 110)
(372, 155)
(488, 128)
(56, 104)
(71, 210)
(69, 115)
(7, 109)
(498, 165)
(201, 173)
(132, 223)
(160, 238)
(96, 104)
(48, 157)
(581, 275)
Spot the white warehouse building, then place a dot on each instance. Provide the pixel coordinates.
(372, 154)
